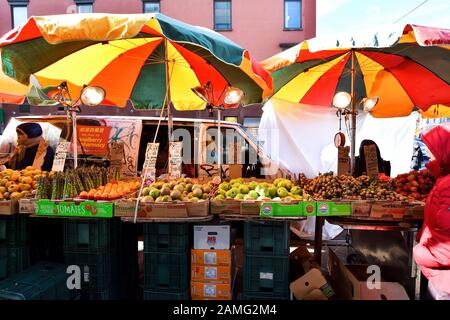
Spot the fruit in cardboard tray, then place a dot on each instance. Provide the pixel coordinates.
(15, 196)
(239, 196)
(219, 197)
(253, 195)
(252, 185)
(415, 184)
(154, 193)
(147, 199)
(197, 192)
(165, 191)
(159, 199)
(205, 196)
(282, 192)
(175, 194)
(188, 187)
(179, 187)
(296, 190)
(166, 199)
(207, 188)
(194, 199)
(273, 191)
(146, 191)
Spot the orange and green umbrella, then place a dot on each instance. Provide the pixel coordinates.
(406, 67)
(136, 57)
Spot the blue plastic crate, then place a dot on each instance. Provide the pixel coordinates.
(266, 238)
(166, 237)
(160, 295)
(44, 281)
(166, 272)
(91, 234)
(266, 275)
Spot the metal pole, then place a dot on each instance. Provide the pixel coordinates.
(353, 130)
(169, 102)
(75, 138)
(320, 221)
(219, 142)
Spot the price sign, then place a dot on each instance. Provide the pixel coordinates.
(60, 156)
(343, 160)
(175, 159)
(149, 168)
(370, 153)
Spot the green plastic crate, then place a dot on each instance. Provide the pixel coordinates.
(266, 238)
(44, 281)
(166, 272)
(166, 237)
(160, 295)
(330, 208)
(18, 259)
(266, 275)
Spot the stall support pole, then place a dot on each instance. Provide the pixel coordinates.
(318, 240)
(75, 138)
(353, 130)
(219, 142)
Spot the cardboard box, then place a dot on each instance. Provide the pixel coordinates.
(225, 207)
(197, 209)
(361, 208)
(352, 282)
(27, 206)
(211, 257)
(126, 208)
(210, 291)
(330, 208)
(164, 210)
(397, 210)
(250, 208)
(311, 286)
(292, 209)
(212, 237)
(9, 207)
(211, 274)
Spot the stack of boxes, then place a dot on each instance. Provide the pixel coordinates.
(14, 244)
(166, 265)
(101, 249)
(212, 263)
(266, 260)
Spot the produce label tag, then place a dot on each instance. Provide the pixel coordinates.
(70, 209)
(175, 159)
(370, 153)
(266, 210)
(60, 156)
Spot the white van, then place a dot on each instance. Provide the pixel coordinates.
(241, 151)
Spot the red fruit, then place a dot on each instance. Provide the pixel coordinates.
(411, 178)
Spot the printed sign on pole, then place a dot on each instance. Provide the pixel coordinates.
(371, 160)
(60, 156)
(149, 168)
(175, 159)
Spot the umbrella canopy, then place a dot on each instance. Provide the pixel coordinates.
(405, 66)
(137, 57)
(11, 90)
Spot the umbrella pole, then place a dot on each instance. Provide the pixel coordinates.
(219, 142)
(353, 130)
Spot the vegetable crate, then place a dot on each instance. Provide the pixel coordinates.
(266, 238)
(166, 237)
(44, 281)
(166, 272)
(266, 276)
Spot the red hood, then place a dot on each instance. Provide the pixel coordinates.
(438, 142)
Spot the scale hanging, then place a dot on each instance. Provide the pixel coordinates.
(339, 138)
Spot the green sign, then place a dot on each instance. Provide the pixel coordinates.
(330, 208)
(276, 209)
(87, 208)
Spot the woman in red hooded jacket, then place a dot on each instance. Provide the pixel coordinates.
(432, 253)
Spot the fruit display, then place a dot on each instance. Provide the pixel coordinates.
(112, 190)
(182, 189)
(18, 184)
(415, 184)
(278, 190)
(327, 186)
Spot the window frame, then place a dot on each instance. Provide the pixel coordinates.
(300, 28)
(14, 4)
(214, 16)
(79, 3)
(151, 1)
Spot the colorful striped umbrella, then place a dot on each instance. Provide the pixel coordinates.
(406, 67)
(137, 57)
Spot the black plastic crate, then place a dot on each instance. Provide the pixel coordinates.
(267, 275)
(266, 238)
(44, 281)
(46, 240)
(91, 234)
(3, 261)
(18, 259)
(262, 296)
(166, 237)
(14, 230)
(160, 295)
(166, 272)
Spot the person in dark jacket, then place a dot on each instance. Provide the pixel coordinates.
(417, 157)
(360, 161)
(29, 142)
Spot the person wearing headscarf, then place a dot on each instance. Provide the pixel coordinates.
(360, 161)
(432, 253)
(29, 140)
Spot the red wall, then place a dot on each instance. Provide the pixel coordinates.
(257, 24)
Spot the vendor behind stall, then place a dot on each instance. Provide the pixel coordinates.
(32, 149)
(432, 253)
(362, 168)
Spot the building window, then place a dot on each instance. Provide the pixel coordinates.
(19, 12)
(84, 6)
(152, 6)
(222, 15)
(231, 119)
(292, 14)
